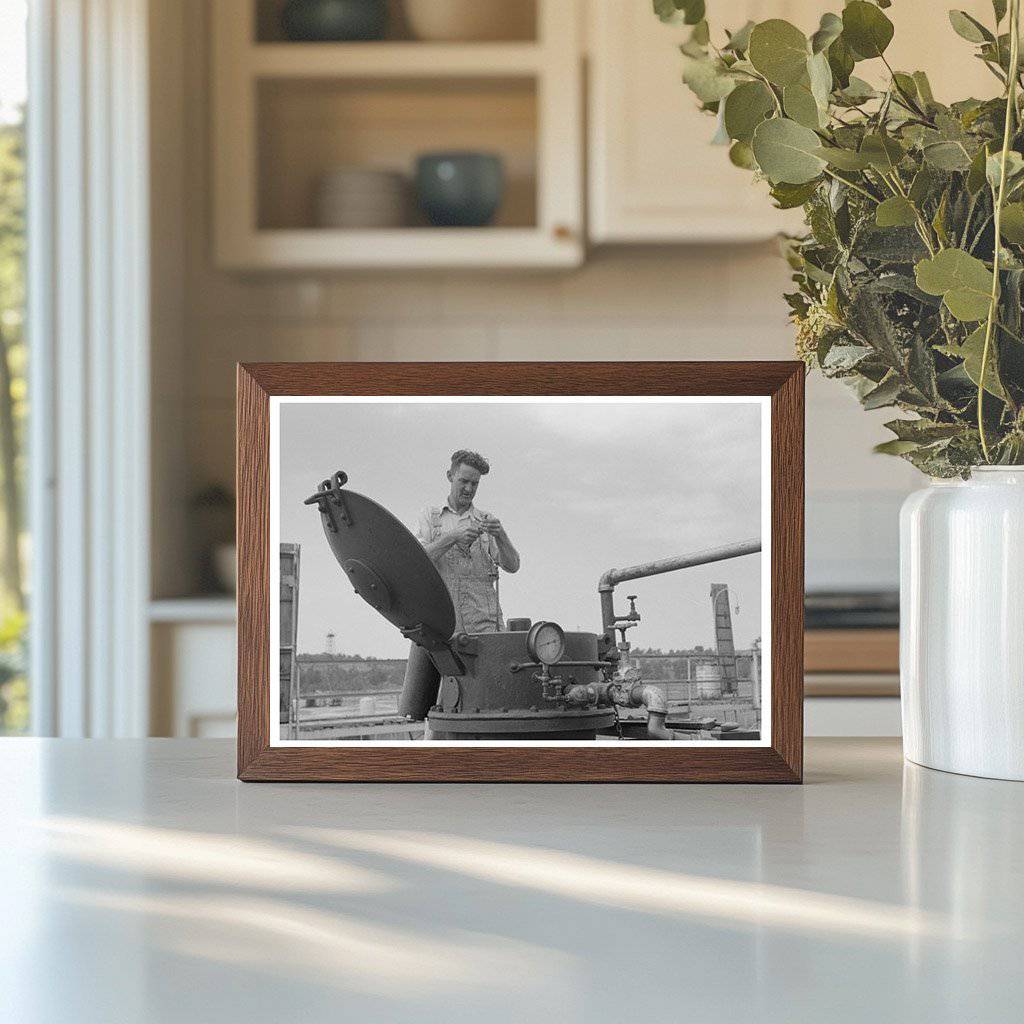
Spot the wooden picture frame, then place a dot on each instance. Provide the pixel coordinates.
(781, 760)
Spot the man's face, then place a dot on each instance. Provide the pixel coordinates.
(465, 480)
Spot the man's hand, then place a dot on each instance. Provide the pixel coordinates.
(491, 525)
(466, 532)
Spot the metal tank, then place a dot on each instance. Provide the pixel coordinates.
(709, 680)
(500, 697)
(532, 681)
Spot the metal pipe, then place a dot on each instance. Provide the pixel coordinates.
(660, 565)
(606, 585)
(656, 728)
(520, 666)
(654, 700)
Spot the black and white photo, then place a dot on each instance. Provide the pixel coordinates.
(519, 570)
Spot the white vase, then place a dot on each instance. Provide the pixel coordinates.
(962, 624)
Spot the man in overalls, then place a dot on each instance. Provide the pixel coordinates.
(468, 546)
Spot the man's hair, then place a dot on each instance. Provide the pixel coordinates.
(472, 459)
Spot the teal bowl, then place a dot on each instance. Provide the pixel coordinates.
(460, 189)
(334, 21)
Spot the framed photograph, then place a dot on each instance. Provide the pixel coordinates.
(560, 572)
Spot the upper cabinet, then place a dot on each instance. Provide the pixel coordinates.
(316, 144)
(654, 176)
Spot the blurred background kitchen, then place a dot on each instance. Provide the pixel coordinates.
(360, 179)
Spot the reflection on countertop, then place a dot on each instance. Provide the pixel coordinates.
(145, 883)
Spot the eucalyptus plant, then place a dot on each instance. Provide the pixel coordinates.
(902, 290)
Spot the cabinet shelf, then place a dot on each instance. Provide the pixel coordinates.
(319, 248)
(286, 115)
(392, 60)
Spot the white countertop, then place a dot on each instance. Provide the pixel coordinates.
(140, 882)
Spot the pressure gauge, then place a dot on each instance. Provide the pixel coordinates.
(546, 642)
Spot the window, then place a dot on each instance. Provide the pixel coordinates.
(14, 692)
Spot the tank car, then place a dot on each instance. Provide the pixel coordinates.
(531, 681)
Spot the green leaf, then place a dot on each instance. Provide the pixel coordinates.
(801, 106)
(788, 197)
(947, 156)
(885, 394)
(976, 174)
(786, 151)
(924, 88)
(741, 155)
(895, 212)
(993, 166)
(921, 370)
(858, 91)
(889, 245)
(721, 136)
(922, 185)
(739, 41)
(840, 61)
(1011, 225)
(895, 447)
(844, 159)
(779, 51)
(883, 152)
(963, 281)
(819, 74)
(665, 10)
(829, 30)
(866, 29)
(905, 84)
(939, 220)
(969, 28)
(923, 431)
(999, 9)
(690, 12)
(707, 78)
(745, 108)
(971, 352)
(868, 318)
(701, 34)
(693, 10)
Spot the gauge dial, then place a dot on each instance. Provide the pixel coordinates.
(546, 642)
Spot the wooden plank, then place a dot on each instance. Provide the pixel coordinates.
(852, 650)
(851, 684)
(392, 60)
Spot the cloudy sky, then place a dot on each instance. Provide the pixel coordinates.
(579, 487)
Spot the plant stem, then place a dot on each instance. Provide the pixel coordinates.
(981, 231)
(771, 91)
(853, 185)
(1011, 107)
(907, 99)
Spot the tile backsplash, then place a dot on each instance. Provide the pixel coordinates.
(707, 303)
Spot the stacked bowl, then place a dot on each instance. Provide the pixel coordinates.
(362, 197)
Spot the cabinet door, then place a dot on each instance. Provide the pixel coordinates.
(654, 176)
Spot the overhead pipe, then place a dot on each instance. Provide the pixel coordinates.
(606, 585)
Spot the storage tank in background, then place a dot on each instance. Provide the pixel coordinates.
(709, 680)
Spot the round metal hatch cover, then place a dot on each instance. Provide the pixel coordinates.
(385, 563)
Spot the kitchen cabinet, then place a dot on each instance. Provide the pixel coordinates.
(653, 175)
(286, 114)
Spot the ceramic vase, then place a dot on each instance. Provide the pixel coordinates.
(962, 624)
